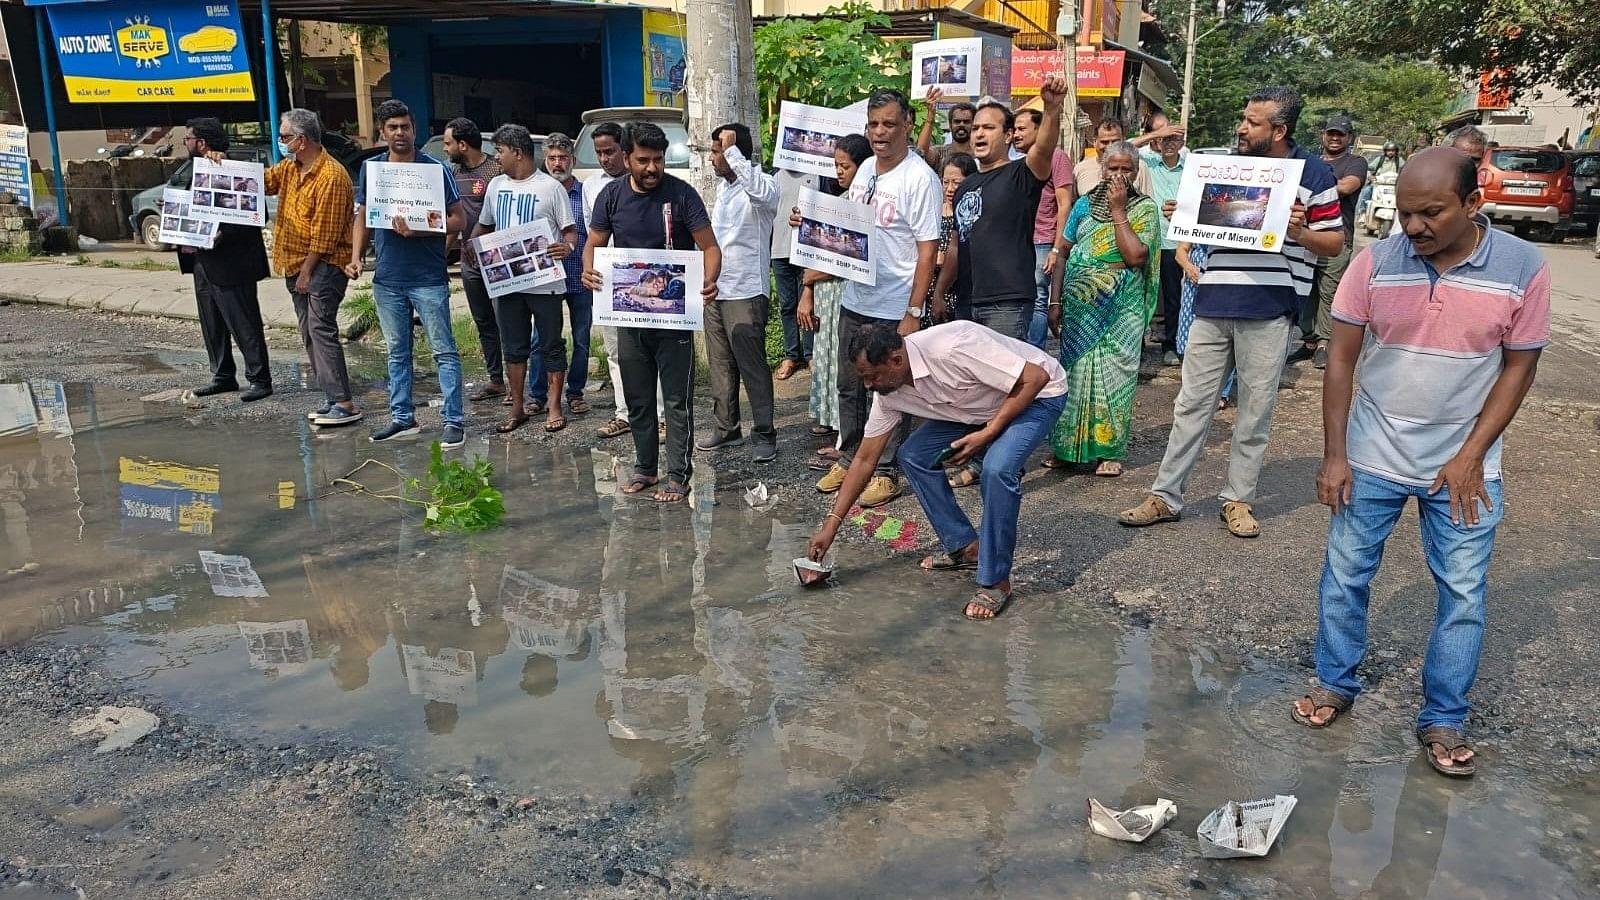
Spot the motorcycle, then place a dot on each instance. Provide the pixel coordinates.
(1379, 215)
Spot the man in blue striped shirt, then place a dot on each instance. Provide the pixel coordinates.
(1245, 306)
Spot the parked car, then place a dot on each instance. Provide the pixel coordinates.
(1529, 189)
(672, 120)
(1586, 188)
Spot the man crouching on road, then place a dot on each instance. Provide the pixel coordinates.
(1458, 314)
(982, 394)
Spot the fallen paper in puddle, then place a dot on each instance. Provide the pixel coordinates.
(1244, 829)
(122, 726)
(810, 573)
(1132, 824)
(759, 497)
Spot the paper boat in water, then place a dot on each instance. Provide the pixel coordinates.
(1133, 824)
(1244, 829)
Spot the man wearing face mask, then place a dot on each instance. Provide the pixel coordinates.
(1245, 304)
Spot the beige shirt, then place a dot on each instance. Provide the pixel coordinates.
(961, 372)
(1087, 174)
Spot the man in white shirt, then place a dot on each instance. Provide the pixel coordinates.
(607, 140)
(906, 197)
(736, 324)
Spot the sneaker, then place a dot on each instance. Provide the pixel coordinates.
(395, 431)
(1152, 511)
(454, 436)
(217, 387)
(1240, 520)
(880, 490)
(256, 392)
(764, 450)
(1319, 359)
(832, 480)
(1171, 358)
(719, 442)
(337, 416)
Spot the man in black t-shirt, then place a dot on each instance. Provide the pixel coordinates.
(994, 210)
(651, 210)
(1350, 171)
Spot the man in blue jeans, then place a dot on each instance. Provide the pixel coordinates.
(558, 163)
(1458, 314)
(981, 394)
(410, 276)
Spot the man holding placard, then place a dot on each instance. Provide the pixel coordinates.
(225, 277)
(408, 201)
(1246, 302)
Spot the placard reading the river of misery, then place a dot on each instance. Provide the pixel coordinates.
(411, 191)
(649, 288)
(179, 227)
(807, 134)
(518, 258)
(835, 236)
(228, 191)
(1236, 201)
(954, 66)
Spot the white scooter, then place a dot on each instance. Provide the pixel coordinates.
(1378, 216)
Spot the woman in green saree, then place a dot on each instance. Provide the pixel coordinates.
(1101, 310)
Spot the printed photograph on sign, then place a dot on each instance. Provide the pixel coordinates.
(808, 134)
(834, 236)
(497, 274)
(650, 288)
(229, 191)
(518, 258)
(179, 225)
(954, 66)
(810, 143)
(1241, 202)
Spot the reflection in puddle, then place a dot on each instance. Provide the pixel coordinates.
(861, 740)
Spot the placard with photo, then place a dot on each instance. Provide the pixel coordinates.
(834, 236)
(650, 288)
(179, 227)
(411, 191)
(229, 191)
(518, 258)
(954, 66)
(807, 134)
(1236, 201)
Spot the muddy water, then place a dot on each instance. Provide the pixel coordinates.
(859, 740)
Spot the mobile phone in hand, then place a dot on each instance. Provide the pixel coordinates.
(944, 454)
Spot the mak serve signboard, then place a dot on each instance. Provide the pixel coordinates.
(144, 51)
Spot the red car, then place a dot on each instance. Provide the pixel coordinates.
(1529, 189)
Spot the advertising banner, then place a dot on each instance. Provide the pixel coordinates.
(650, 288)
(1099, 72)
(14, 175)
(518, 258)
(147, 51)
(835, 236)
(1235, 201)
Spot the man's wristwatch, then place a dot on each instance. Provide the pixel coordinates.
(916, 312)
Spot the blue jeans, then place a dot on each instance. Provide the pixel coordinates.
(797, 342)
(1001, 484)
(580, 309)
(1457, 555)
(1039, 326)
(432, 305)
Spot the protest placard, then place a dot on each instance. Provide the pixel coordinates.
(179, 227)
(649, 288)
(518, 258)
(806, 136)
(229, 191)
(835, 236)
(412, 191)
(954, 66)
(1235, 201)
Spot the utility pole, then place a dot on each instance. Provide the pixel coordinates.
(1067, 40)
(721, 80)
(1188, 67)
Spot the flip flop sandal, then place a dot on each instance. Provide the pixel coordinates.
(986, 599)
(672, 493)
(577, 405)
(963, 478)
(613, 428)
(639, 483)
(511, 424)
(822, 430)
(1321, 697)
(1451, 740)
(555, 425)
(486, 393)
(1059, 465)
(1100, 473)
(819, 464)
(947, 562)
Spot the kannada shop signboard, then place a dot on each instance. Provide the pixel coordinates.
(1099, 72)
(151, 51)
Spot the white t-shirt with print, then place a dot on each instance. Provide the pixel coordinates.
(509, 202)
(907, 200)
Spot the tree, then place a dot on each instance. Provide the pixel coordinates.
(1403, 100)
(1549, 42)
(833, 61)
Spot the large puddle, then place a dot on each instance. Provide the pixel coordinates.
(855, 741)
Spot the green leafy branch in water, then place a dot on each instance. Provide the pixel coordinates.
(455, 496)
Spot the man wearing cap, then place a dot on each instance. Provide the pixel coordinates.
(1350, 169)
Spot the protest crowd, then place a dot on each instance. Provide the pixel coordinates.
(934, 371)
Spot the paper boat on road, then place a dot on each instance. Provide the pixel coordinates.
(1133, 824)
(1244, 829)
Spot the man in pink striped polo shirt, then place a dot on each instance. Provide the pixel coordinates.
(1448, 318)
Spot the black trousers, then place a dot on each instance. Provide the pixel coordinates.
(482, 306)
(1171, 299)
(648, 356)
(232, 312)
